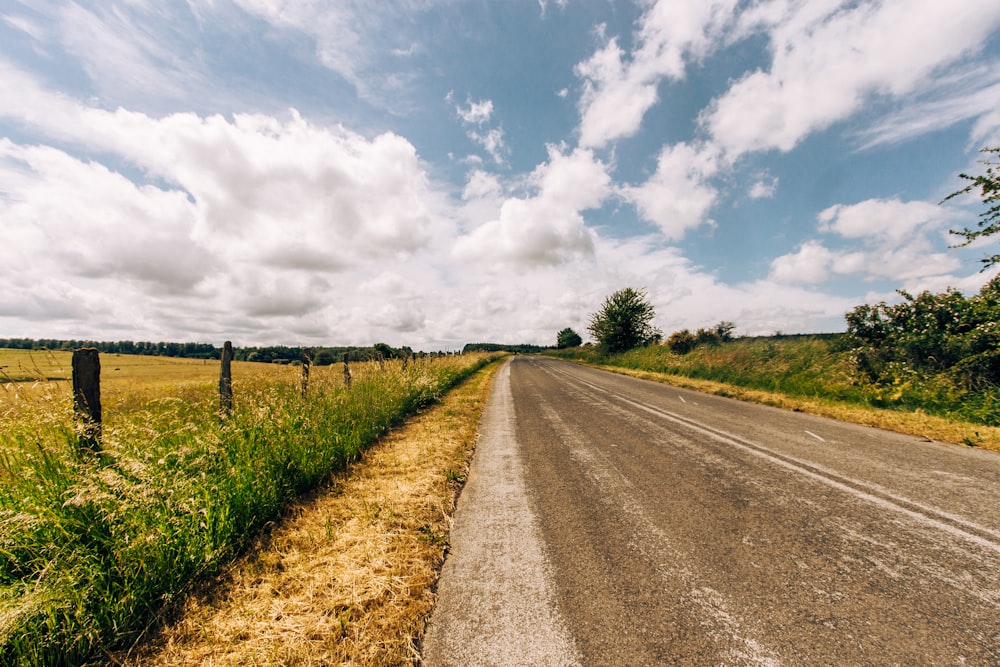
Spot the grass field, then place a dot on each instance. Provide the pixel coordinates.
(93, 550)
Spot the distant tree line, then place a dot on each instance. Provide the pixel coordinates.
(503, 347)
(266, 354)
(189, 350)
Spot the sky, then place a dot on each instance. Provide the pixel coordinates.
(436, 172)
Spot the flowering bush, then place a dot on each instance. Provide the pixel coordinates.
(945, 337)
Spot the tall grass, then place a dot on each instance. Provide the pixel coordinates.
(91, 552)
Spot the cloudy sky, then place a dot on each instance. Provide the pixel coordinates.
(435, 172)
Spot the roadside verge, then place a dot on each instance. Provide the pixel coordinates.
(347, 576)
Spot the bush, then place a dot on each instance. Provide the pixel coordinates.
(681, 342)
(933, 351)
(930, 334)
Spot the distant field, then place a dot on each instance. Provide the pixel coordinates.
(38, 365)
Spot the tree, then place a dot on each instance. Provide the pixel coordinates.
(384, 351)
(624, 321)
(988, 185)
(725, 331)
(568, 338)
(323, 358)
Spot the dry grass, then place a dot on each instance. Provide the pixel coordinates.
(911, 423)
(28, 375)
(347, 577)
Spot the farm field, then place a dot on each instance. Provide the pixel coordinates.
(93, 549)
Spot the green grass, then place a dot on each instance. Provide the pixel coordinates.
(92, 552)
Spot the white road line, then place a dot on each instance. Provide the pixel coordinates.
(682, 399)
(815, 436)
(872, 493)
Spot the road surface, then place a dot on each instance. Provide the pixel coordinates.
(612, 521)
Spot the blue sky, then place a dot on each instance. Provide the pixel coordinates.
(436, 172)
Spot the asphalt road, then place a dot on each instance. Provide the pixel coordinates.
(612, 521)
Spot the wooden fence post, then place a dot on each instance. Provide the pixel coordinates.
(87, 396)
(347, 373)
(306, 362)
(226, 380)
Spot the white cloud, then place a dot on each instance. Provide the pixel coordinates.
(353, 38)
(829, 58)
(677, 197)
(973, 93)
(481, 185)
(619, 87)
(546, 228)
(544, 4)
(83, 220)
(255, 216)
(475, 112)
(492, 142)
(615, 98)
(135, 54)
(889, 220)
(877, 239)
(25, 25)
(763, 188)
(809, 265)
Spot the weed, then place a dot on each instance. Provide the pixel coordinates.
(432, 537)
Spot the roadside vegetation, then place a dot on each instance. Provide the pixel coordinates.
(346, 576)
(933, 356)
(94, 550)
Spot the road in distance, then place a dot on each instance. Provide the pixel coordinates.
(613, 521)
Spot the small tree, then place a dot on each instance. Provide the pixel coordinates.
(988, 185)
(568, 338)
(323, 358)
(725, 330)
(624, 321)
